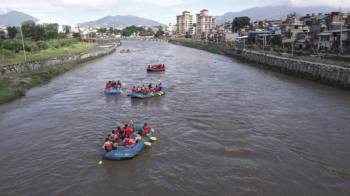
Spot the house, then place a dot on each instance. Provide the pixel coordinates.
(336, 20)
(330, 40)
(146, 34)
(293, 30)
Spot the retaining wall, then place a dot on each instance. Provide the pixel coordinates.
(325, 73)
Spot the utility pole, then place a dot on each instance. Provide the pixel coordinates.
(24, 50)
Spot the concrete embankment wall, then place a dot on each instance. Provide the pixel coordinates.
(325, 73)
(35, 65)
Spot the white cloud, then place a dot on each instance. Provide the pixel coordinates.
(164, 3)
(333, 3)
(4, 11)
(94, 4)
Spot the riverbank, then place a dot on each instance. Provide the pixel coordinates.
(329, 74)
(217, 49)
(42, 50)
(16, 79)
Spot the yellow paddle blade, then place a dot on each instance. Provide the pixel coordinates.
(153, 138)
(148, 144)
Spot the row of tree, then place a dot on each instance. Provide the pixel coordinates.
(36, 32)
(128, 31)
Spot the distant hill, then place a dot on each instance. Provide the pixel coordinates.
(14, 18)
(121, 22)
(275, 12)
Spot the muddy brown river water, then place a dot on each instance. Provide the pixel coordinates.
(224, 128)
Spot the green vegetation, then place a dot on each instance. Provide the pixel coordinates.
(240, 22)
(213, 48)
(41, 42)
(41, 50)
(109, 31)
(160, 33)
(134, 29)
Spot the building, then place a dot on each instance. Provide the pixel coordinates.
(184, 24)
(170, 29)
(336, 20)
(335, 40)
(294, 30)
(205, 23)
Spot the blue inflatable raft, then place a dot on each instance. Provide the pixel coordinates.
(124, 152)
(113, 91)
(142, 96)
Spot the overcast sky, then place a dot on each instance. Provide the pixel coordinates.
(164, 11)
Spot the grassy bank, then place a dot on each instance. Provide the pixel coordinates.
(44, 50)
(213, 48)
(15, 86)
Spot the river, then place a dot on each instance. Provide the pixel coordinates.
(224, 128)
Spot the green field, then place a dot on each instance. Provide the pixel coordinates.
(54, 49)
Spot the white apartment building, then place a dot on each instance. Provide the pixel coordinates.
(185, 23)
(205, 23)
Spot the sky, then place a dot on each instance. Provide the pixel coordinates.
(75, 11)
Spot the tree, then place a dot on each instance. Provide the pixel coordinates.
(101, 30)
(2, 35)
(240, 22)
(39, 33)
(159, 33)
(51, 31)
(28, 29)
(110, 30)
(66, 29)
(132, 29)
(12, 32)
(276, 41)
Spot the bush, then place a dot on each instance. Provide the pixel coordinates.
(31, 46)
(42, 45)
(13, 45)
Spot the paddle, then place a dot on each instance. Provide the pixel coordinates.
(153, 139)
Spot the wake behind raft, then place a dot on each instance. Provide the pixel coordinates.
(129, 152)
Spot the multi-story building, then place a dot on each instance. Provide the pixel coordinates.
(336, 20)
(205, 23)
(185, 23)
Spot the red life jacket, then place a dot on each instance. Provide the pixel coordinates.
(128, 130)
(146, 130)
(129, 141)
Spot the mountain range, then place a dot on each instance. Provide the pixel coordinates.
(14, 18)
(120, 22)
(275, 12)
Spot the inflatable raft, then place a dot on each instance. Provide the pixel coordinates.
(156, 68)
(124, 152)
(143, 96)
(112, 91)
